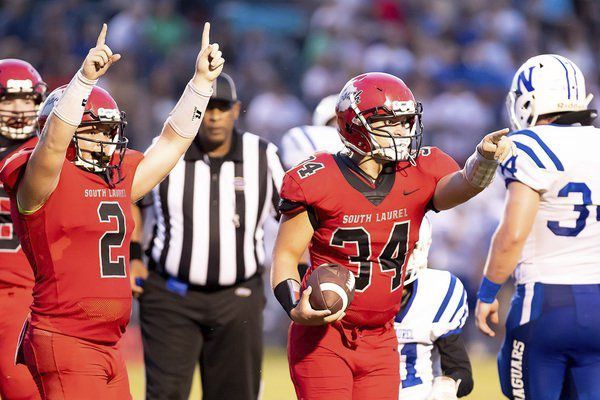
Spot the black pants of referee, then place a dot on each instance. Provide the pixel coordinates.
(221, 330)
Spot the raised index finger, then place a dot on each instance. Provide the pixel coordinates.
(205, 35)
(102, 36)
(497, 135)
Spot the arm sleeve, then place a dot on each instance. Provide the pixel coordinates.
(455, 362)
(534, 163)
(292, 195)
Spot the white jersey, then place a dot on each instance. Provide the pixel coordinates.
(437, 308)
(301, 142)
(562, 164)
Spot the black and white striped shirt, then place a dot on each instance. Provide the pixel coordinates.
(210, 213)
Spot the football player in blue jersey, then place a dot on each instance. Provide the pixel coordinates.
(548, 237)
(434, 364)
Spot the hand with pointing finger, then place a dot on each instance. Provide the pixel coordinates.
(99, 58)
(209, 62)
(496, 146)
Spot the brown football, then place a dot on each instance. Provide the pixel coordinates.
(332, 288)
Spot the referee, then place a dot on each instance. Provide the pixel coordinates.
(202, 298)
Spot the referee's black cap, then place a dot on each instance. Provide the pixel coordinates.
(224, 89)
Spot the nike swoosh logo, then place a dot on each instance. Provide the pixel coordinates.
(406, 192)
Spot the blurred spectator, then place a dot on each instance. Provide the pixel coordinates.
(275, 111)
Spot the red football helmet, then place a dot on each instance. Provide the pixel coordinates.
(19, 80)
(101, 115)
(377, 96)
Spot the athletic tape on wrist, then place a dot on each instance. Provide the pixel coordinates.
(287, 294)
(479, 171)
(186, 117)
(488, 290)
(71, 105)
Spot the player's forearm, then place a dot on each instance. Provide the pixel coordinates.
(504, 254)
(138, 231)
(178, 133)
(284, 267)
(453, 190)
(66, 116)
(293, 236)
(158, 162)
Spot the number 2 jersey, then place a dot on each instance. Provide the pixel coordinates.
(561, 163)
(436, 308)
(15, 270)
(78, 246)
(370, 228)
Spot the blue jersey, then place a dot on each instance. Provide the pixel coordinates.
(552, 346)
(436, 308)
(561, 163)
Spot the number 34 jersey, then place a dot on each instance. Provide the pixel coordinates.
(78, 246)
(561, 163)
(368, 227)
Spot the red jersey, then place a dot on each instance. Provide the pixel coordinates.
(78, 246)
(370, 228)
(14, 267)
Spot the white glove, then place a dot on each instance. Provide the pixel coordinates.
(444, 388)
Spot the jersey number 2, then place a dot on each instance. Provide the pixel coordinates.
(391, 258)
(110, 268)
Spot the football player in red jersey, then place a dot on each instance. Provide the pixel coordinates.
(71, 205)
(363, 210)
(21, 93)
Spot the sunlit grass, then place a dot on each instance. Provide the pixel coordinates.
(277, 384)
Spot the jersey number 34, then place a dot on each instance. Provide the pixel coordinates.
(391, 258)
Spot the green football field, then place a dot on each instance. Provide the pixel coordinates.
(277, 384)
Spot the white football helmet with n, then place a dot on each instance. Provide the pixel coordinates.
(545, 84)
(418, 259)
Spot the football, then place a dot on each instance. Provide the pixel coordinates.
(332, 288)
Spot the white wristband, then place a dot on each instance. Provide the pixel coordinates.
(71, 105)
(186, 117)
(479, 171)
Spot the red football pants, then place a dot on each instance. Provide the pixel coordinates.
(68, 368)
(15, 380)
(333, 363)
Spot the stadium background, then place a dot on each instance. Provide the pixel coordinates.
(458, 56)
